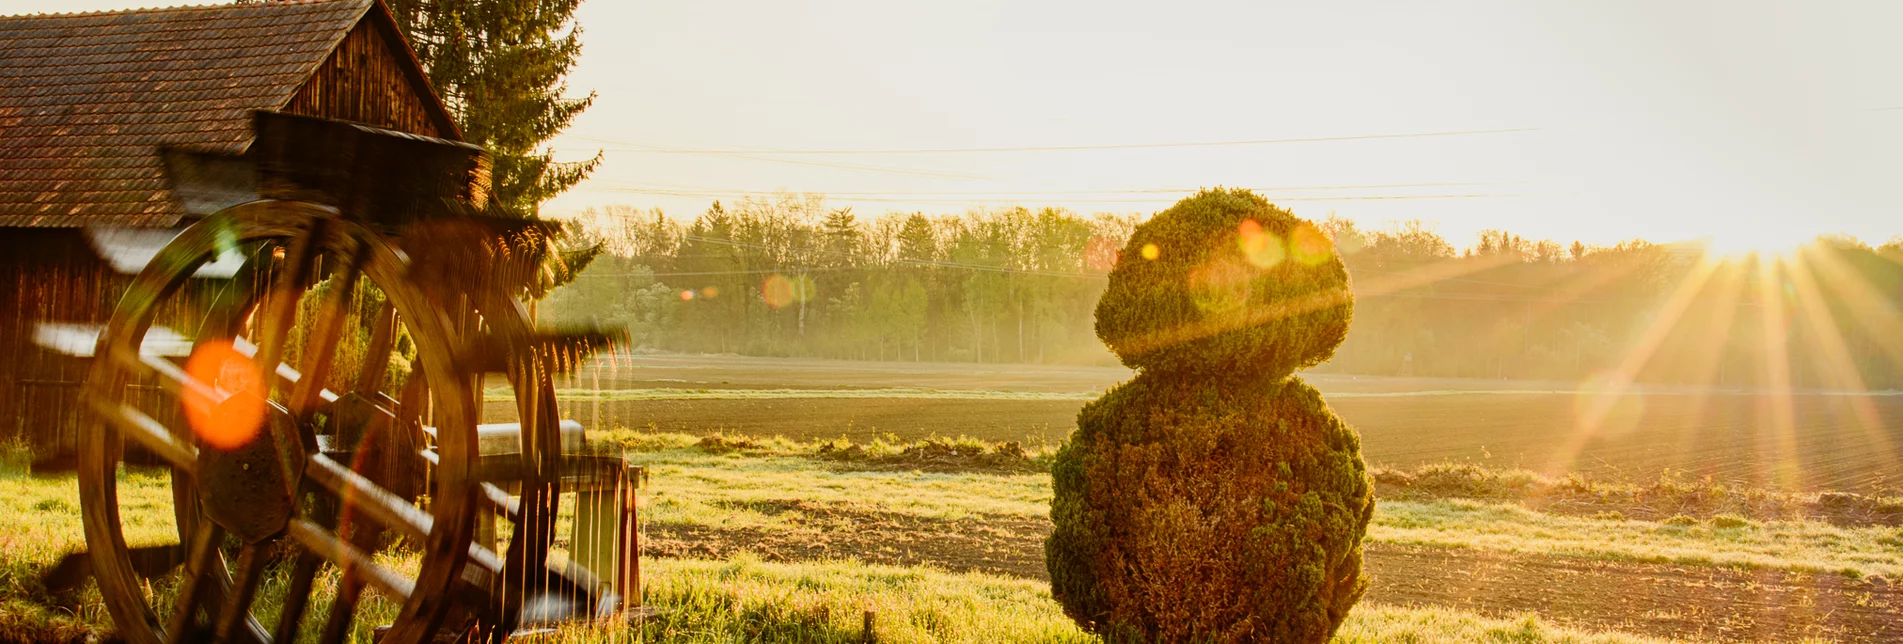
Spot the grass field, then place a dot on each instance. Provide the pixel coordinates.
(733, 525)
(1834, 442)
(792, 497)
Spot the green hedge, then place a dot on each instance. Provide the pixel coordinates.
(1214, 497)
(1228, 283)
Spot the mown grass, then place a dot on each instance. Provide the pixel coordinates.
(615, 395)
(746, 600)
(738, 600)
(723, 483)
(1669, 495)
(1798, 546)
(715, 484)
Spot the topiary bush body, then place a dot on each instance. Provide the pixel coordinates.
(1214, 497)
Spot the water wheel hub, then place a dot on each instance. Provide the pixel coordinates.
(247, 490)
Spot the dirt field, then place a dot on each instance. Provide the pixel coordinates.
(1731, 436)
(1677, 601)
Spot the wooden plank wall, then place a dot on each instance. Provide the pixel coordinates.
(53, 275)
(49, 274)
(365, 81)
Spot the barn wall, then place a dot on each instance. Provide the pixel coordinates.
(46, 274)
(53, 275)
(366, 80)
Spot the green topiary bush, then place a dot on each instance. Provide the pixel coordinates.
(1224, 281)
(1214, 497)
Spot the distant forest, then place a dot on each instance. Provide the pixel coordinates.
(788, 276)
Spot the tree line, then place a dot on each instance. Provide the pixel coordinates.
(788, 276)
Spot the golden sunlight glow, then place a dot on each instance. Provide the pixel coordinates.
(1748, 241)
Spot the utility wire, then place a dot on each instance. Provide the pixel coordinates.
(746, 156)
(647, 148)
(633, 186)
(681, 193)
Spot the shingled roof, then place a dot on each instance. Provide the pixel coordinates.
(87, 99)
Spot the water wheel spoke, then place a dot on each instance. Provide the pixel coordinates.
(492, 495)
(355, 564)
(386, 509)
(342, 611)
(286, 374)
(359, 492)
(171, 377)
(281, 301)
(320, 346)
(377, 356)
(501, 502)
(252, 561)
(149, 433)
(200, 564)
(297, 596)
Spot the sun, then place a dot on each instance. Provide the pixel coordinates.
(1747, 242)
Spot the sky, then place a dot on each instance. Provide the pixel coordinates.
(1755, 122)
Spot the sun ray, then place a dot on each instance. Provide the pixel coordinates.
(1572, 289)
(1378, 285)
(1836, 359)
(1776, 405)
(1879, 316)
(1728, 291)
(1597, 401)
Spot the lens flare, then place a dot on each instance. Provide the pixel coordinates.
(1309, 245)
(233, 418)
(1100, 253)
(1262, 248)
(687, 295)
(1150, 251)
(1221, 286)
(781, 291)
(710, 292)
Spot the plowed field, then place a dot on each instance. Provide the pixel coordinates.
(1831, 441)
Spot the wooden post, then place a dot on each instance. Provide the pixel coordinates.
(607, 528)
(628, 542)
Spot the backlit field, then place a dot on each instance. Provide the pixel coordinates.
(1833, 442)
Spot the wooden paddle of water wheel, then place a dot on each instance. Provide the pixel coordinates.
(307, 366)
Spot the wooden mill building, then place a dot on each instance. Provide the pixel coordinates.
(86, 102)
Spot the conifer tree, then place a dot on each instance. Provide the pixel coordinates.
(501, 67)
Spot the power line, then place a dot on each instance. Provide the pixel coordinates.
(638, 186)
(742, 155)
(648, 148)
(700, 194)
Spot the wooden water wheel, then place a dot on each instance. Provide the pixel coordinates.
(306, 368)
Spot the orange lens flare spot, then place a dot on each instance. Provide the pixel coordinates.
(781, 291)
(1221, 286)
(1310, 246)
(687, 295)
(1100, 253)
(777, 291)
(1150, 251)
(233, 418)
(1262, 248)
(710, 292)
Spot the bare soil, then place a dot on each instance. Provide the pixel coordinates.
(1693, 602)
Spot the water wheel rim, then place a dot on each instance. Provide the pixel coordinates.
(445, 550)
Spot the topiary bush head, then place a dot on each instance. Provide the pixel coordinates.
(1214, 497)
(1225, 282)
